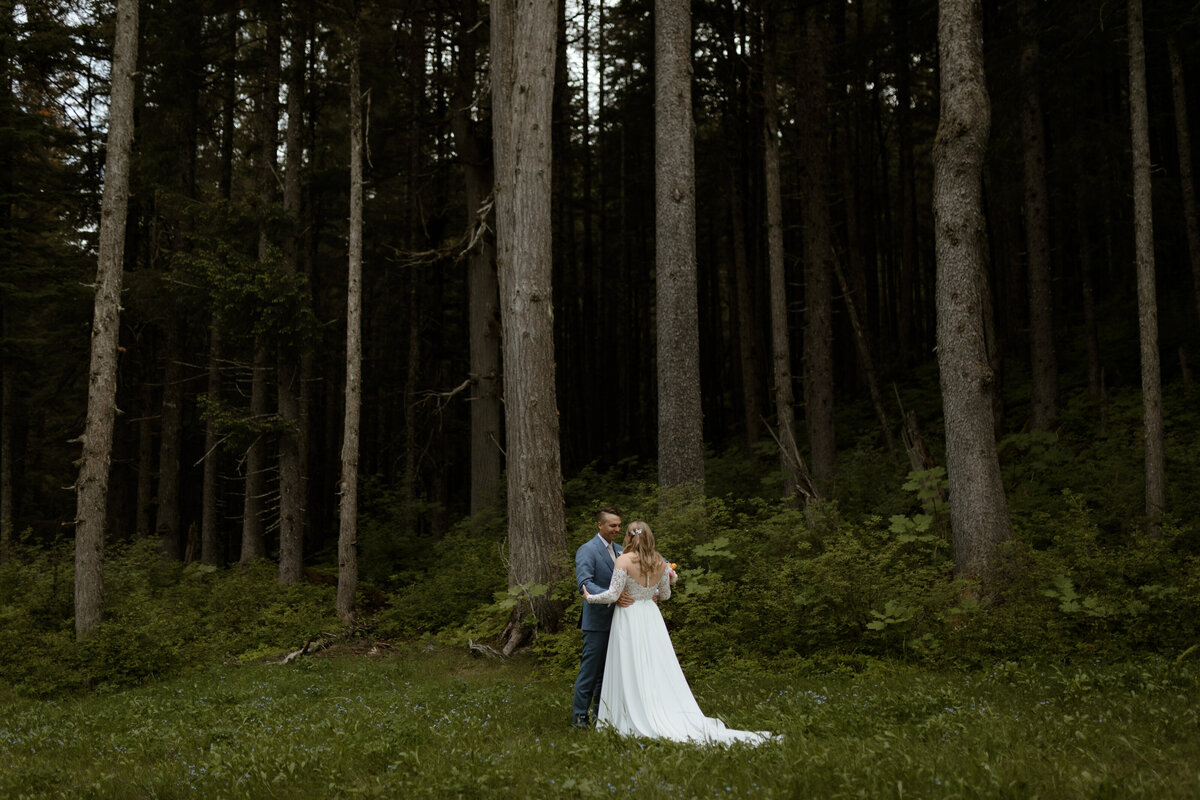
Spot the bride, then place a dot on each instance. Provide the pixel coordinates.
(645, 693)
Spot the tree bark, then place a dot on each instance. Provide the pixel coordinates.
(7, 368)
(745, 318)
(291, 473)
(8, 396)
(978, 509)
(348, 510)
(587, 261)
(1043, 363)
(680, 418)
(170, 430)
(144, 513)
(818, 246)
(211, 551)
(781, 353)
(414, 430)
(1143, 232)
(868, 363)
(487, 461)
(1090, 328)
(907, 301)
(253, 545)
(1187, 186)
(523, 43)
(228, 86)
(92, 484)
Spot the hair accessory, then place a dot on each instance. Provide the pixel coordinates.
(635, 531)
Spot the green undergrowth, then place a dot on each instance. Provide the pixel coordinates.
(869, 573)
(160, 619)
(432, 722)
(771, 585)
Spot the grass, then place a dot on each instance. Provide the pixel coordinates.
(433, 723)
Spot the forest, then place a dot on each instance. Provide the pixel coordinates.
(883, 312)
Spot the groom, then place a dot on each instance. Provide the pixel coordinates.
(593, 571)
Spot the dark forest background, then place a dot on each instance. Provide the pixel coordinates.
(225, 282)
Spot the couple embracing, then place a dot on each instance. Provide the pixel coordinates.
(628, 668)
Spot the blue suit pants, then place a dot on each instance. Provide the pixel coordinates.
(591, 673)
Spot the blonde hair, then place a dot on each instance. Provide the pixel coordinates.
(639, 540)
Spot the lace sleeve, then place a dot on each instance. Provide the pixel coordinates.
(614, 589)
(664, 584)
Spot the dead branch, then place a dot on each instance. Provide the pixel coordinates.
(480, 649)
(292, 656)
(212, 449)
(919, 456)
(864, 353)
(443, 398)
(806, 485)
(325, 641)
(478, 230)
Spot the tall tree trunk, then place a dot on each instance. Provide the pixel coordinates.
(8, 396)
(738, 280)
(523, 42)
(92, 484)
(144, 513)
(978, 509)
(228, 105)
(1143, 232)
(487, 459)
(348, 511)
(414, 431)
(169, 444)
(1187, 186)
(864, 289)
(487, 462)
(253, 545)
(745, 319)
(7, 371)
(818, 246)
(570, 281)
(1090, 327)
(868, 364)
(680, 418)
(587, 261)
(781, 353)
(1043, 364)
(909, 267)
(994, 345)
(211, 551)
(291, 475)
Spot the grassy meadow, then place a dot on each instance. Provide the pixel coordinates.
(844, 631)
(429, 721)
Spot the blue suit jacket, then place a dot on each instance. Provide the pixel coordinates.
(594, 569)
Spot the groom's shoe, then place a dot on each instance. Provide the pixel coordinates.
(581, 722)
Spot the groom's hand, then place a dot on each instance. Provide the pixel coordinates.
(626, 599)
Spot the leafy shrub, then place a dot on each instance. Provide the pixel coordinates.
(762, 581)
(462, 572)
(160, 618)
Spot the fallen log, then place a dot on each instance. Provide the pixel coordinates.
(480, 649)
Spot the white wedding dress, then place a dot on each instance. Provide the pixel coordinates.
(644, 692)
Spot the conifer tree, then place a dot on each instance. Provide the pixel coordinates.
(92, 484)
(978, 508)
